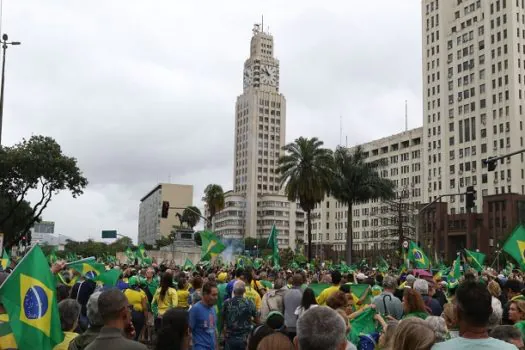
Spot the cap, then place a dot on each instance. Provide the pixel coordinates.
(133, 281)
(410, 278)
(360, 276)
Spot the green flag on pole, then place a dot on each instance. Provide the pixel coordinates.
(272, 243)
(515, 245)
(29, 297)
(109, 278)
(417, 256)
(475, 259)
(88, 268)
(455, 271)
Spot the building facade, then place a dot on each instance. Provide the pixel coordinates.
(256, 202)
(376, 225)
(151, 225)
(473, 86)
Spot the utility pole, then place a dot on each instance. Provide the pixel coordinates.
(4, 48)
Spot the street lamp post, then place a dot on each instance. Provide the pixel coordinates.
(4, 48)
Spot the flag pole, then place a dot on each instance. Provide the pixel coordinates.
(91, 258)
(20, 262)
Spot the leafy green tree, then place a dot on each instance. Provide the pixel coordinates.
(197, 238)
(16, 223)
(306, 175)
(357, 181)
(214, 199)
(34, 168)
(164, 241)
(191, 216)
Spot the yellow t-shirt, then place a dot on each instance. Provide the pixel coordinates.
(252, 295)
(68, 337)
(170, 300)
(325, 294)
(183, 296)
(135, 298)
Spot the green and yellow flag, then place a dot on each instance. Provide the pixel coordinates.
(29, 297)
(109, 278)
(188, 265)
(475, 259)
(211, 245)
(88, 268)
(515, 245)
(417, 256)
(5, 261)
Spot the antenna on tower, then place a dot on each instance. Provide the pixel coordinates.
(406, 115)
(340, 130)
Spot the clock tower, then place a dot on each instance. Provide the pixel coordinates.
(260, 123)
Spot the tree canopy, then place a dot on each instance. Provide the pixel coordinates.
(214, 199)
(33, 167)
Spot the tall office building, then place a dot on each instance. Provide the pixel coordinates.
(376, 223)
(473, 86)
(151, 225)
(256, 202)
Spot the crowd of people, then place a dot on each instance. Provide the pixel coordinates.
(164, 307)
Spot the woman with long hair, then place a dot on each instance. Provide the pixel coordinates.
(413, 334)
(308, 301)
(174, 333)
(413, 304)
(165, 298)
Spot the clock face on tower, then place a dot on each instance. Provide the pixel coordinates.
(247, 77)
(269, 75)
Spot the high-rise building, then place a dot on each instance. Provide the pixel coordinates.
(473, 87)
(376, 224)
(151, 225)
(256, 202)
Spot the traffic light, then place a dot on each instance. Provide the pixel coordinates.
(471, 197)
(491, 163)
(165, 209)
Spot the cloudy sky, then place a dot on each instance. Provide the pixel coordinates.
(142, 92)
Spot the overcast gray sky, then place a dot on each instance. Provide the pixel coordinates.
(141, 91)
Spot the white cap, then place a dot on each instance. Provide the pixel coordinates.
(360, 276)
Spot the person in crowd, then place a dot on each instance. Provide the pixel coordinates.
(473, 310)
(139, 302)
(251, 293)
(497, 314)
(307, 301)
(275, 341)
(387, 334)
(203, 319)
(431, 305)
(512, 290)
(165, 298)
(325, 294)
(321, 328)
(439, 293)
(273, 300)
(439, 326)
(81, 291)
(386, 303)
(275, 321)
(239, 275)
(257, 334)
(95, 325)
(183, 293)
(517, 315)
(508, 334)
(413, 304)
(174, 332)
(238, 314)
(69, 311)
(449, 315)
(413, 334)
(114, 309)
(292, 300)
(195, 296)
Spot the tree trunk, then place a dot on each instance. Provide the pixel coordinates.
(309, 233)
(349, 237)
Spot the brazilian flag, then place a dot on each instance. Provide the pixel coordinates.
(29, 297)
(417, 256)
(211, 245)
(88, 268)
(515, 245)
(5, 261)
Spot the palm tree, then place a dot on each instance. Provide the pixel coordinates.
(191, 216)
(306, 174)
(214, 199)
(357, 181)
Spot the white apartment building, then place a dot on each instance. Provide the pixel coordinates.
(473, 87)
(151, 225)
(260, 126)
(375, 224)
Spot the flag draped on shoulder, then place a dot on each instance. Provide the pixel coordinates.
(29, 297)
(515, 245)
(211, 245)
(417, 256)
